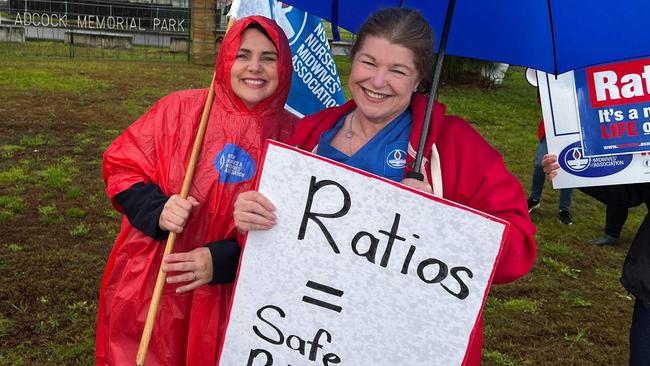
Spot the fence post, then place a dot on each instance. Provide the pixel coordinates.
(203, 31)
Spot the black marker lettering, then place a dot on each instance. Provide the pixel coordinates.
(464, 290)
(391, 239)
(372, 249)
(279, 333)
(308, 215)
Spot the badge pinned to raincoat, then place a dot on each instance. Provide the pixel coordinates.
(234, 164)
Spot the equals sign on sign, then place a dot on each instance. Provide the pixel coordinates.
(326, 289)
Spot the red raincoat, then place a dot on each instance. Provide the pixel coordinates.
(156, 149)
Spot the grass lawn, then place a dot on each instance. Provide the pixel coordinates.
(58, 115)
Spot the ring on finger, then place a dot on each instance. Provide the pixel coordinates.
(194, 276)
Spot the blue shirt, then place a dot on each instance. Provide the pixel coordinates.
(383, 155)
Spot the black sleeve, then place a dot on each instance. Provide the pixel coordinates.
(225, 259)
(143, 204)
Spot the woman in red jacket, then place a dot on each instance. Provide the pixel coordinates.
(382, 124)
(144, 168)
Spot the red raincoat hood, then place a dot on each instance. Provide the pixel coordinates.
(224, 95)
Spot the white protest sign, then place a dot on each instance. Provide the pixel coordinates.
(566, 108)
(357, 271)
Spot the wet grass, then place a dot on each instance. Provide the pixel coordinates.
(58, 227)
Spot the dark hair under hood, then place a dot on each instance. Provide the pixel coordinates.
(224, 95)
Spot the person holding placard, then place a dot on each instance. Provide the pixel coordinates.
(636, 268)
(144, 169)
(378, 131)
(537, 185)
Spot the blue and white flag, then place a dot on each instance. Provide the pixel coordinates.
(315, 83)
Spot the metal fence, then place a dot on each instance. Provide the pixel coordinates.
(130, 30)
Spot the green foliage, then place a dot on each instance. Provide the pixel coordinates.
(559, 250)
(14, 204)
(110, 230)
(499, 358)
(80, 229)
(345, 34)
(32, 140)
(527, 306)
(80, 350)
(49, 214)
(580, 302)
(33, 79)
(561, 267)
(579, 338)
(81, 307)
(83, 139)
(67, 160)
(53, 322)
(499, 307)
(112, 213)
(343, 65)
(5, 326)
(8, 151)
(13, 175)
(10, 206)
(56, 177)
(76, 213)
(460, 70)
(74, 192)
(14, 248)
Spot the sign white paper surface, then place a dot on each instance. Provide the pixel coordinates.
(563, 137)
(313, 291)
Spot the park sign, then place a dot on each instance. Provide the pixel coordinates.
(358, 270)
(597, 122)
(100, 15)
(113, 23)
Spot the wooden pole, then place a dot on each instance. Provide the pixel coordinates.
(171, 240)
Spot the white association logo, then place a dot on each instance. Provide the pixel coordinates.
(288, 19)
(575, 159)
(396, 159)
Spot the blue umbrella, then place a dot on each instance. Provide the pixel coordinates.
(549, 35)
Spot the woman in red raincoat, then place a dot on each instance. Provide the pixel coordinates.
(145, 166)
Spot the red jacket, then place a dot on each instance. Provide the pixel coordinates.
(156, 149)
(462, 167)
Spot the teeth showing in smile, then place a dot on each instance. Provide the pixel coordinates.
(254, 82)
(374, 95)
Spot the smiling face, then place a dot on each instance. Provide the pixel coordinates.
(254, 74)
(382, 79)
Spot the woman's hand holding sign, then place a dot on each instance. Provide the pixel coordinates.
(253, 211)
(550, 166)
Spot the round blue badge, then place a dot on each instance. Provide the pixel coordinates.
(234, 164)
(396, 159)
(573, 161)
